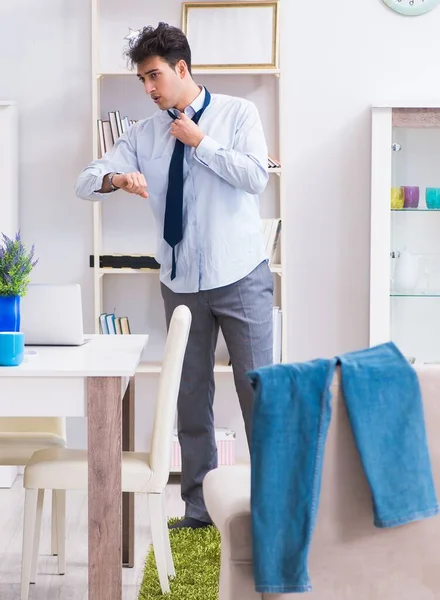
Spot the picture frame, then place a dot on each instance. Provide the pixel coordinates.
(216, 30)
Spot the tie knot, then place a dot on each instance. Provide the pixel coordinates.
(173, 114)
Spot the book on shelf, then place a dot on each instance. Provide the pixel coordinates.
(125, 261)
(116, 132)
(109, 324)
(101, 137)
(271, 229)
(108, 137)
(125, 122)
(125, 325)
(273, 163)
(110, 130)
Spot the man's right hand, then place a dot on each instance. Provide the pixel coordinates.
(133, 183)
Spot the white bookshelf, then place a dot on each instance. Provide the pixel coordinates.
(9, 167)
(116, 221)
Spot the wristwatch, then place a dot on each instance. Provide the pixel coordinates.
(110, 180)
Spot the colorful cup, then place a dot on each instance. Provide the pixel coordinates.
(432, 197)
(397, 198)
(411, 194)
(11, 348)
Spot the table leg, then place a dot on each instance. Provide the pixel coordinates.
(128, 497)
(104, 411)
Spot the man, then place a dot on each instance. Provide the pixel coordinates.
(204, 158)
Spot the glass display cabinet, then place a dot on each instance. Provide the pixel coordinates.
(405, 230)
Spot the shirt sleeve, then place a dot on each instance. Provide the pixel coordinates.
(245, 165)
(121, 158)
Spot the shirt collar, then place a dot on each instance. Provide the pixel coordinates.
(197, 103)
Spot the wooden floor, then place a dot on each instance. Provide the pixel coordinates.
(72, 585)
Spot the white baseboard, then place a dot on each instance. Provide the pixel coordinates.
(8, 476)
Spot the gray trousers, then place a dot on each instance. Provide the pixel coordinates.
(243, 310)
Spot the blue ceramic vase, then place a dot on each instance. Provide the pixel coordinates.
(9, 313)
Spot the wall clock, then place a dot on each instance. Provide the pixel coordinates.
(412, 7)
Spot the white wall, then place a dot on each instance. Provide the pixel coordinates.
(339, 58)
(9, 167)
(45, 67)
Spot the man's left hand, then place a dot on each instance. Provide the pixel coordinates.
(185, 130)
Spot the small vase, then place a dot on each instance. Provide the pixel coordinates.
(411, 194)
(9, 313)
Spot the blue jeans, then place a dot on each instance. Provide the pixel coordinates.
(291, 416)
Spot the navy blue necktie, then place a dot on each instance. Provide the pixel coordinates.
(173, 224)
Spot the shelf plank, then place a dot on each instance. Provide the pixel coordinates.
(415, 295)
(276, 268)
(127, 271)
(403, 210)
(416, 117)
(153, 367)
(219, 368)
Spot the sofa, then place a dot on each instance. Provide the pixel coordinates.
(349, 558)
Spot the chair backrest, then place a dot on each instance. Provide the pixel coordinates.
(169, 385)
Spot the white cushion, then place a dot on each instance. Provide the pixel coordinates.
(65, 469)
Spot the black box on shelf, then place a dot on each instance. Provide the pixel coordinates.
(123, 261)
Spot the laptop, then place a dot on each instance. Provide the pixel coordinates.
(51, 315)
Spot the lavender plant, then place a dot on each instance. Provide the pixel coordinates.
(16, 263)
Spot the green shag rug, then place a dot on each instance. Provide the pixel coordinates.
(196, 554)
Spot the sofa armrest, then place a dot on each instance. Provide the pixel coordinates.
(227, 497)
(227, 492)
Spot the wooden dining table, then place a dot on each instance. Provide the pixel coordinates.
(95, 380)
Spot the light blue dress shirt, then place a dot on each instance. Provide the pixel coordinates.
(222, 239)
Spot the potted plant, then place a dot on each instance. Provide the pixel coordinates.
(16, 263)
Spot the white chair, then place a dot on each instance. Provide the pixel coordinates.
(63, 469)
(20, 437)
